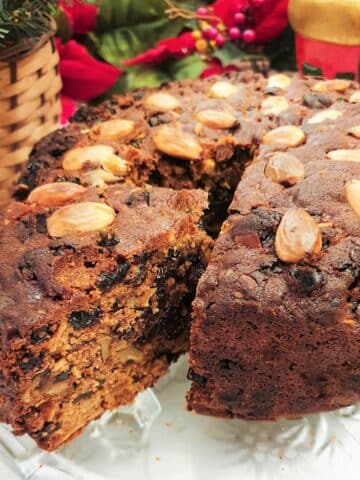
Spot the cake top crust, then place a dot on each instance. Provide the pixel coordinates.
(292, 240)
(186, 120)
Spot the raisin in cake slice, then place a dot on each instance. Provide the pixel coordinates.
(276, 330)
(96, 288)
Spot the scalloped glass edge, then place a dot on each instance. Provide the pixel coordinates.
(144, 441)
(104, 434)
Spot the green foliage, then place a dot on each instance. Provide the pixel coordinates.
(187, 67)
(128, 27)
(231, 54)
(122, 43)
(22, 19)
(139, 77)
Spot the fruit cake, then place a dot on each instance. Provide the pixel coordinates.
(276, 329)
(186, 135)
(96, 288)
(190, 134)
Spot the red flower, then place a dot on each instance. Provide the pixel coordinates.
(81, 15)
(68, 109)
(84, 77)
(215, 68)
(269, 18)
(177, 47)
(226, 9)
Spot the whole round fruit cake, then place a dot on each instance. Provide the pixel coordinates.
(110, 232)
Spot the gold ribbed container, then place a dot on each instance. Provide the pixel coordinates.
(333, 21)
(327, 37)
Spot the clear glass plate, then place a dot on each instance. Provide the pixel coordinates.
(157, 439)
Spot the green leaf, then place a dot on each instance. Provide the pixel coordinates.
(138, 77)
(145, 77)
(188, 67)
(128, 27)
(63, 26)
(229, 54)
(122, 43)
(126, 13)
(115, 13)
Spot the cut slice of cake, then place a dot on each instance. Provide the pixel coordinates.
(276, 330)
(96, 289)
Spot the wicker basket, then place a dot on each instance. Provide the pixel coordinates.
(29, 104)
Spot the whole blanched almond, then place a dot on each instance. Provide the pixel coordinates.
(77, 158)
(222, 89)
(99, 178)
(162, 102)
(343, 155)
(355, 97)
(274, 105)
(80, 217)
(173, 141)
(216, 119)
(355, 131)
(289, 136)
(297, 236)
(55, 194)
(324, 116)
(285, 168)
(352, 193)
(116, 165)
(279, 80)
(113, 129)
(335, 85)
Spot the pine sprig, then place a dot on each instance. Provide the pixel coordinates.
(23, 19)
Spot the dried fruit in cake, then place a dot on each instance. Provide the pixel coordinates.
(96, 293)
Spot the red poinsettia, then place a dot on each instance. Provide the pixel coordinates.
(68, 108)
(215, 68)
(180, 46)
(268, 20)
(84, 77)
(81, 15)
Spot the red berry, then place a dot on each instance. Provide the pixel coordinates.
(249, 35)
(239, 18)
(210, 33)
(257, 3)
(220, 40)
(234, 33)
(202, 11)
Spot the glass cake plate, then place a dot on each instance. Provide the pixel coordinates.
(157, 439)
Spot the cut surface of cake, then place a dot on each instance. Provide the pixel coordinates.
(96, 288)
(276, 330)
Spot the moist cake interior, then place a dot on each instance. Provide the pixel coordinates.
(89, 320)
